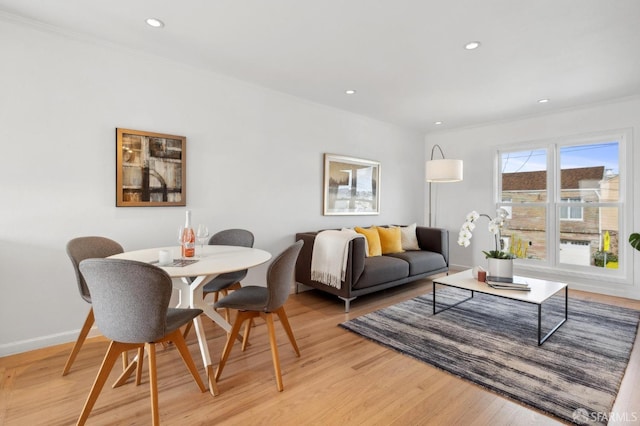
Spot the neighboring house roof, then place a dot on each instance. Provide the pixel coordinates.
(580, 178)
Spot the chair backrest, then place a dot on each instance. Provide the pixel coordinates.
(232, 237)
(82, 248)
(280, 276)
(130, 299)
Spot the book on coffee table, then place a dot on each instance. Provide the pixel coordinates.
(513, 285)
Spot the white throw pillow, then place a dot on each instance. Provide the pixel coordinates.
(409, 238)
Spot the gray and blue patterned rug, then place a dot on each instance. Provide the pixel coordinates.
(575, 375)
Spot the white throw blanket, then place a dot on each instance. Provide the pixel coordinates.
(329, 256)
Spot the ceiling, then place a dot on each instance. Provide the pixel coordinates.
(405, 58)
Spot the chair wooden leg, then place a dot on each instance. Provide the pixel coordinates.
(268, 317)
(186, 329)
(125, 360)
(114, 351)
(235, 286)
(227, 311)
(181, 345)
(122, 379)
(153, 384)
(86, 327)
(284, 320)
(139, 365)
(247, 330)
(235, 330)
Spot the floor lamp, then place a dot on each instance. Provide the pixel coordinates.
(441, 171)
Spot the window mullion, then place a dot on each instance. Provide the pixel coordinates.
(552, 209)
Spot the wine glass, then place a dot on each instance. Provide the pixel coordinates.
(180, 236)
(202, 234)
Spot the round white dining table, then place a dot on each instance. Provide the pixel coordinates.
(209, 262)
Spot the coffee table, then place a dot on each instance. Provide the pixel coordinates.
(541, 290)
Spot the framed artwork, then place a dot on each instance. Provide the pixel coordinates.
(351, 186)
(150, 169)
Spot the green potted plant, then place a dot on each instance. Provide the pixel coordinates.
(634, 240)
(602, 258)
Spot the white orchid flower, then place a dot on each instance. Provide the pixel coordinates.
(469, 226)
(494, 227)
(465, 234)
(463, 242)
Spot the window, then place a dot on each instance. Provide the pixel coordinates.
(524, 194)
(565, 201)
(569, 212)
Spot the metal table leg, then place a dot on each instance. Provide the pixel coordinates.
(566, 316)
(448, 307)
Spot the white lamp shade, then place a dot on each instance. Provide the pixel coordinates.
(444, 170)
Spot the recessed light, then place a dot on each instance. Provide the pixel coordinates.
(155, 23)
(472, 45)
(543, 101)
(350, 92)
(437, 123)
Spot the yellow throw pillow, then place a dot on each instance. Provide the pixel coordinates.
(373, 240)
(390, 240)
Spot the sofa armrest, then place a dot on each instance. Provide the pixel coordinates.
(303, 263)
(435, 240)
(355, 261)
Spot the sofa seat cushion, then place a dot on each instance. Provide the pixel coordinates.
(382, 269)
(421, 261)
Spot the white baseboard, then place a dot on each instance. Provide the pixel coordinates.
(43, 342)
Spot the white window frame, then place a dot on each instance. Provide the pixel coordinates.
(571, 206)
(551, 266)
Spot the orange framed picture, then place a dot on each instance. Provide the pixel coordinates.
(150, 169)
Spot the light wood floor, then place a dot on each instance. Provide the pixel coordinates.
(340, 379)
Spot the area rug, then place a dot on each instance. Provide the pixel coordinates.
(575, 375)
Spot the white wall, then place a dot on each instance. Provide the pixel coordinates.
(477, 145)
(255, 160)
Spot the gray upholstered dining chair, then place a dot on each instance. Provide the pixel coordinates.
(79, 249)
(131, 307)
(231, 280)
(228, 237)
(254, 301)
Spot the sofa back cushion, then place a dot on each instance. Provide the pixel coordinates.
(373, 240)
(390, 240)
(409, 237)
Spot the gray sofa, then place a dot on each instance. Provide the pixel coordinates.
(370, 274)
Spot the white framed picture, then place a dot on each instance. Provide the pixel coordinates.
(351, 186)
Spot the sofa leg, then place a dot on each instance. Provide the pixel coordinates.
(347, 303)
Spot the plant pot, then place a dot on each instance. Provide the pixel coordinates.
(500, 269)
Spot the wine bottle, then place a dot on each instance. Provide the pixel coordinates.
(188, 238)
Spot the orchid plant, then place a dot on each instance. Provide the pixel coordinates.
(495, 227)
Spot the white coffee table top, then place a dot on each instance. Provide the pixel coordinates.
(540, 291)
